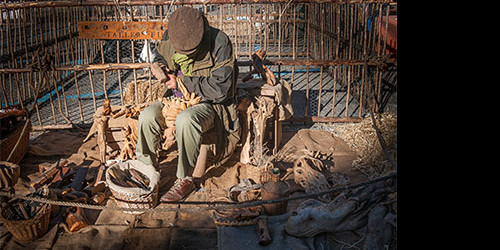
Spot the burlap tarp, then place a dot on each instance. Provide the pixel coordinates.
(293, 149)
(116, 230)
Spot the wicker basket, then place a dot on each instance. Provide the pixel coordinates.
(9, 174)
(26, 231)
(7, 144)
(130, 197)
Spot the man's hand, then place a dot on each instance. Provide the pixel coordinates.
(158, 72)
(171, 83)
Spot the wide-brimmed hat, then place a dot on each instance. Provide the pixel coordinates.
(185, 29)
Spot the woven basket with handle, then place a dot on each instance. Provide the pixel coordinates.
(7, 144)
(29, 230)
(132, 197)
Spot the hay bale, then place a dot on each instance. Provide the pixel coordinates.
(362, 138)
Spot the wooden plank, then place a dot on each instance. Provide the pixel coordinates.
(121, 30)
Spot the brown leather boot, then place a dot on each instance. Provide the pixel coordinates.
(180, 190)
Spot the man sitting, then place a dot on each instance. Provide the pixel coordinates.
(202, 57)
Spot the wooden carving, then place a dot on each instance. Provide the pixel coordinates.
(130, 134)
(308, 173)
(171, 108)
(102, 126)
(246, 108)
(314, 171)
(264, 111)
(259, 67)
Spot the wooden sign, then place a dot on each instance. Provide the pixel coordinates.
(121, 30)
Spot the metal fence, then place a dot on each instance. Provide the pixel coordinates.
(332, 52)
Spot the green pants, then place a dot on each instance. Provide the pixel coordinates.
(190, 125)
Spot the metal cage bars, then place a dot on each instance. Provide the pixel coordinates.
(340, 42)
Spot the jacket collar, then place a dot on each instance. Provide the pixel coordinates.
(204, 58)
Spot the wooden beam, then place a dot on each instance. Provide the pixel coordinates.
(49, 127)
(291, 62)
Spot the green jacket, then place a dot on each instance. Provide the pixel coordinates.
(213, 78)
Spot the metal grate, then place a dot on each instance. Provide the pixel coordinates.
(330, 52)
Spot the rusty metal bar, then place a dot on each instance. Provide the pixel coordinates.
(64, 96)
(104, 86)
(306, 108)
(119, 72)
(23, 82)
(365, 67)
(45, 78)
(4, 92)
(320, 90)
(58, 74)
(45, 4)
(293, 42)
(79, 98)
(74, 59)
(123, 66)
(349, 69)
(148, 46)
(136, 90)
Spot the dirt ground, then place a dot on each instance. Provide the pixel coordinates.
(176, 229)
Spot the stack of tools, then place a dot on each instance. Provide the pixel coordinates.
(129, 177)
(74, 217)
(27, 220)
(97, 193)
(67, 182)
(133, 184)
(52, 175)
(24, 209)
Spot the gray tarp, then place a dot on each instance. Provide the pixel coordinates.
(246, 237)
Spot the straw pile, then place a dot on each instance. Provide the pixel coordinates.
(362, 138)
(143, 90)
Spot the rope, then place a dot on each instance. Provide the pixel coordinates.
(199, 205)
